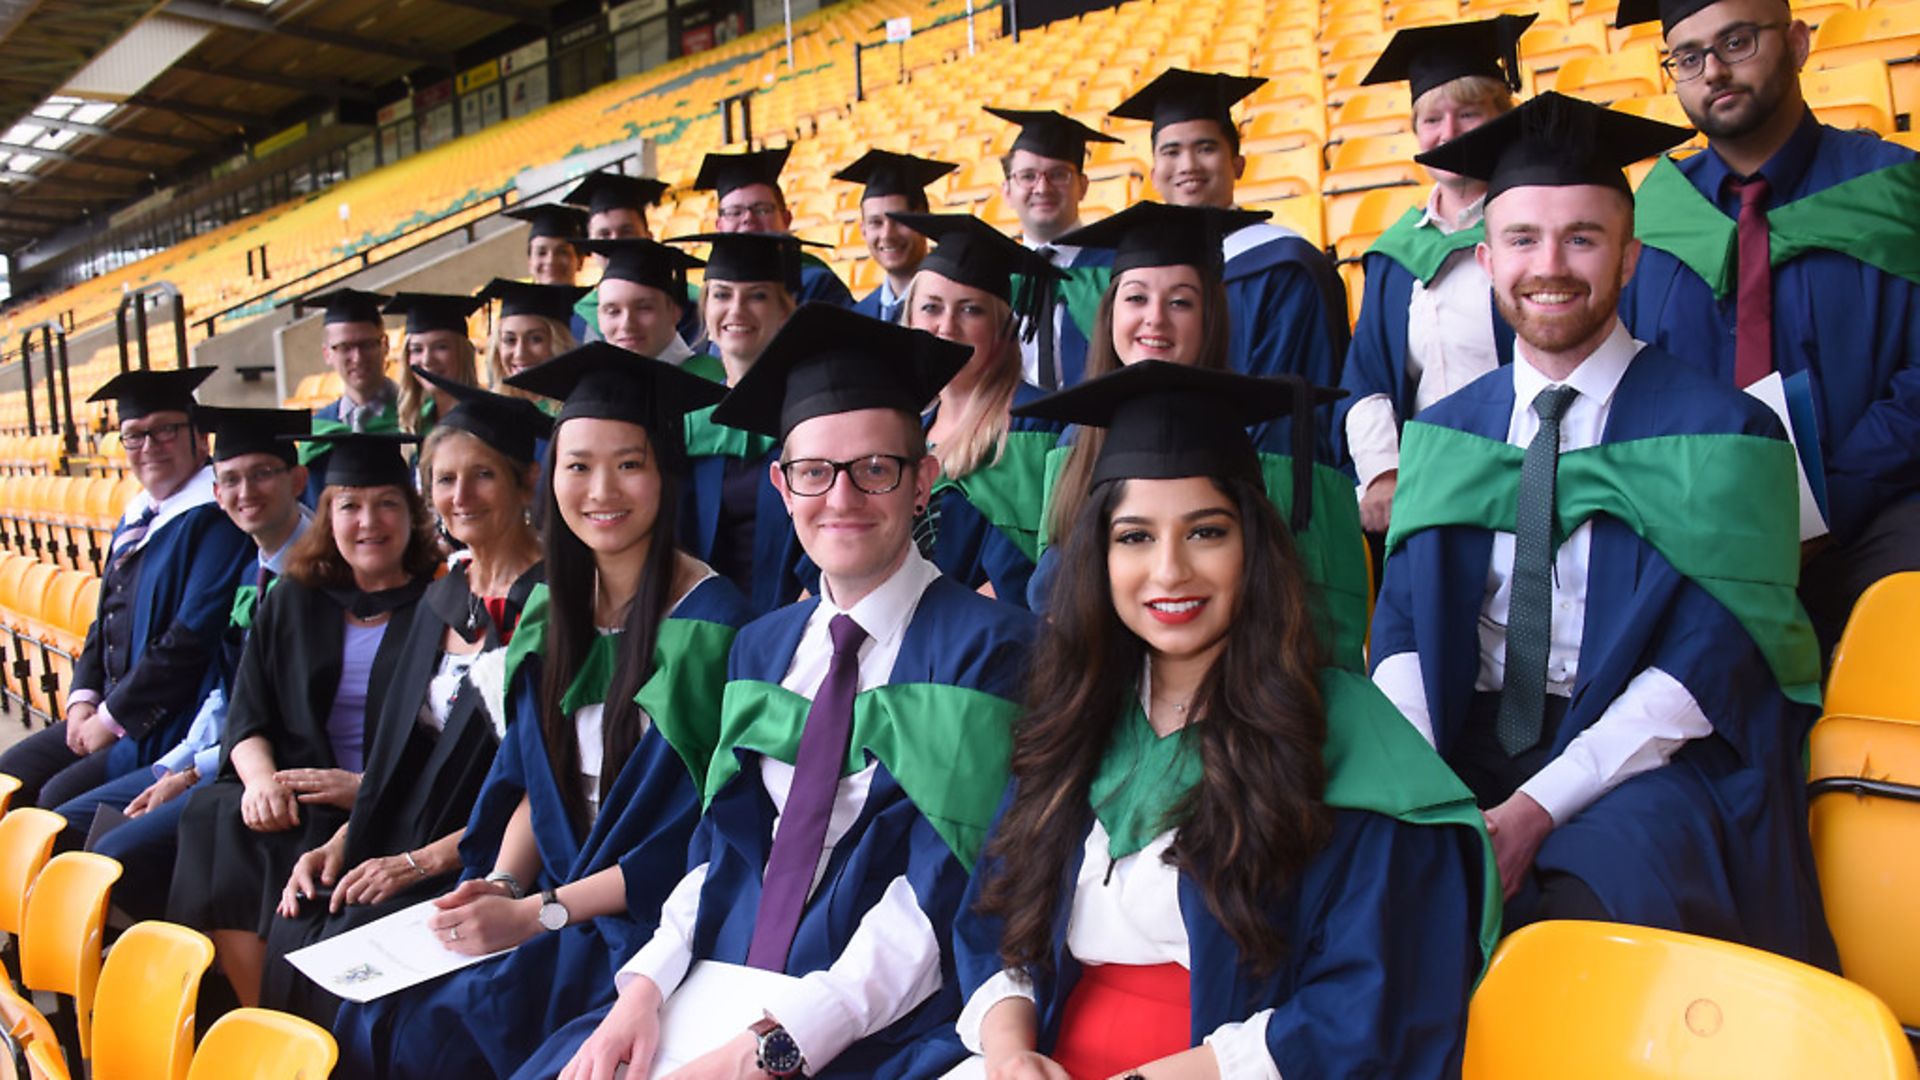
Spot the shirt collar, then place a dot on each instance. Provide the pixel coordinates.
(197, 491)
(389, 393)
(1784, 170)
(885, 612)
(1597, 377)
(1469, 217)
(887, 296)
(276, 563)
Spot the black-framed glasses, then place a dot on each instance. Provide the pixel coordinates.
(1735, 46)
(741, 213)
(158, 434)
(875, 474)
(231, 481)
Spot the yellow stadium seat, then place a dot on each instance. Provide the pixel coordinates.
(1374, 110)
(1908, 139)
(144, 1010)
(26, 840)
(1301, 213)
(1634, 72)
(1279, 174)
(8, 785)
(1345, 26)
(1547, 46)
(1865, 797)
(1423, 13)
(24, 1023)
(61, 941)
(1353, 47)
(1874, 673)
(1591, 1000)
(1374, 161)
(1855, 95)
(44, 1062)
(1372, 213)
(264, 1045)
(1550, 11)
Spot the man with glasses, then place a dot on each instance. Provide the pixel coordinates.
(171, 568)
(865, 731)
(1785, 259)
(355, 340)
(1045, 181)
(748, 187)
(257, 483)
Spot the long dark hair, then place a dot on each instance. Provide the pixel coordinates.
(1102, 359)
(315, 559)
(570, 632)
(1250, 825)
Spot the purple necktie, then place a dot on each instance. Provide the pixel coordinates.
(803, 823)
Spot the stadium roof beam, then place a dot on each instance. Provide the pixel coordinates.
(254, 22)
(64, 187)
(126, 135)
(194, 108)
(67, 155)
(321, 87)
(525, 13)
(35, 219)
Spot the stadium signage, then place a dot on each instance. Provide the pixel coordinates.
(477, 76)
(635, 13)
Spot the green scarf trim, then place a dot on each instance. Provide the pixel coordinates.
(708, 439)
(1424, 251)
(946, 745)
(386, 420)
(1708, 503)
(707, 366)
(588, 308)
(1375, 761)
(246, 603)
(1081, 292)
(1869, 218)
(1011, 491)
(682, 696)
(529, 635)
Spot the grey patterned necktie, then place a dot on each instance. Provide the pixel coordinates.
(1523, 698)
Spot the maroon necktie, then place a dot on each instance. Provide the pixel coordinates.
(803, 823)
(1753, 321)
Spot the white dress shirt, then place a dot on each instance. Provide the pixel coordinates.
(675, 351)
(1062, 257)
(892, 962)
(1655, 715)
(1449, 344)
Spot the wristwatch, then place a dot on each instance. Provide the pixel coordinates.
(553, 913)
(779, 1055)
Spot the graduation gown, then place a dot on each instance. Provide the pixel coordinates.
(486, 1019)
(778, 571)
(1714, 842)
(182, 591)
(326, 418)
(227, 876)
(1287, 315)
(869, 305)
(419, 785)
(818, 283)
(939, 730)
(1851, 325)
(986, 524)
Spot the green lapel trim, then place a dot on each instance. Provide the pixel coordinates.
(1423, 251)
(946, 745)
(1140, 779)
(707, 366)
(1055, 464)
(386, 420)
(682, 696)
(587, 308)
(1011, 492)
(1081, 291)
(708, 439)
(529, 636)
(246, 604)
(590, 682)
(1710, 504)
(1868, 218)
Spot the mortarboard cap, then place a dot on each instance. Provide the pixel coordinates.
(1157, 234)
(1178, 95)
(510, 425)
(1166, 421)
(722, 173)
(347, 305)
(976, 254)
(605, 382)
(1430, 56)
(552, 219)
(1052, 135)
(600, 192)
(752, 256)
(887, 173)
(1669, 12)
(139, 393)
(252, 431)
(427, 312)
(520, 298)
(1554, 141)
(362, 458)
(645, 262)
(829, 359)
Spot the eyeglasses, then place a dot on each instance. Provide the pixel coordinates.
(1733, 47)
(158, 434)
(875, 474)
(1058, 176)
(741, 213)
(361, 345)
(232, 481)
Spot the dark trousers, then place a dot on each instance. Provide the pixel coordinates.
(1834, 579)
(49, 773)
(144, 846)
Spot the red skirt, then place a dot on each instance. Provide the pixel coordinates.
(1121, 1016)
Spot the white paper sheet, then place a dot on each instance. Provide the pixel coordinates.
(369, 962)
(714, 1003)
(1772, 392)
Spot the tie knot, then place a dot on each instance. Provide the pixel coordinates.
(847, 635)
(1753, 192)
(1551, 403)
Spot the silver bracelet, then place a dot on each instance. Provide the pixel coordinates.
(417, 868)
(512, 883)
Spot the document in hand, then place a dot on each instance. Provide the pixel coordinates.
(714, 1003)
(369, 962)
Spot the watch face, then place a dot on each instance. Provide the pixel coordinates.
(779, 1054)
(553, 916)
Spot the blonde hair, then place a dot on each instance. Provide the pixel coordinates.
(1470, 90)
(785, 296)
(982, 426)
(563, 340)
(414, 390)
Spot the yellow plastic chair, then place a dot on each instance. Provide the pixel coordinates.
(26, 840)
(25, 1024)
(45, 1062)
(262, 1044)
(1605, 1001)
(1874, 673)
(1631, 72)
(8, 785)
(1856, 95)
(66, 919)
(144, 1010)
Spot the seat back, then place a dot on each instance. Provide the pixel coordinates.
(26, 840)
(264, 1045)
(8, 785)
(1874, 673)
(144, 1009)
(1592, 1000)
(45, 1062)
(66, 920)
(25, 1024)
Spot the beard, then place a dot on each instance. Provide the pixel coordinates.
(1763, 100)
(1559, 333)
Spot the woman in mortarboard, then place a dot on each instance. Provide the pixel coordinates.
(533, 327)
(444, 709)
(1203, 864)
(734, 519)
(583, 824)
(436, 340)
(980, 525)
(324, 646)
(552, 228)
